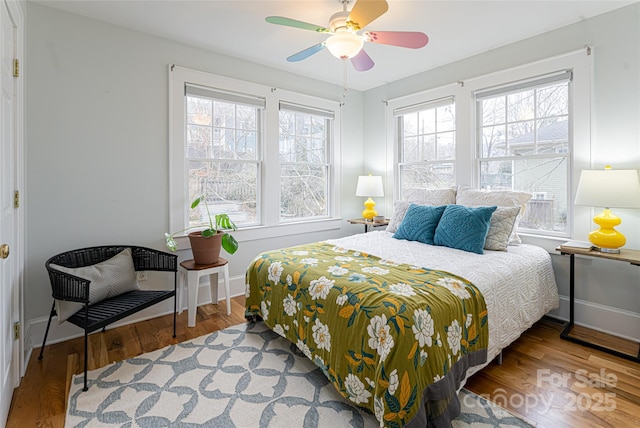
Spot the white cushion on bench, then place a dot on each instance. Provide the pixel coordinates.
(110, 278)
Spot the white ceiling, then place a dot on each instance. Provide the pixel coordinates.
(456, 29)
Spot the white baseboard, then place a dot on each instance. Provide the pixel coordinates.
(598, 317)
(617, 322)
(60, 332)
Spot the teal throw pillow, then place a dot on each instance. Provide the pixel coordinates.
(464, 228)
(419, 223)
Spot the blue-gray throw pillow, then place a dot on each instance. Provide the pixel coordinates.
(419, 223)
(464, 228)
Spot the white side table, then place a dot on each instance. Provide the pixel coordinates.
(192, 272)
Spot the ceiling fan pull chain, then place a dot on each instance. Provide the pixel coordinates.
(344, 87)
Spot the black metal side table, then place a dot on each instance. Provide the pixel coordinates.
(628, 256)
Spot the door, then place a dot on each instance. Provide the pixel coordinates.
(9, 288)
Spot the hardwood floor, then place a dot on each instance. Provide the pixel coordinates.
(41, 398)
(556, 383)
(549, 381)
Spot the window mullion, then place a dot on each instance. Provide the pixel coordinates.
(536, 156)
(271, 172)
(305, 163)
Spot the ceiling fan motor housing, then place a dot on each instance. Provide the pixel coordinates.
(338, 20)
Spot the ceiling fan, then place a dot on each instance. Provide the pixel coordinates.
(345, 41)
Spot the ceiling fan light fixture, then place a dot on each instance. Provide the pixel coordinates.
(344, 41)
(344, 44)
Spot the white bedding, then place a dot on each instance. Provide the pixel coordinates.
(518, 285)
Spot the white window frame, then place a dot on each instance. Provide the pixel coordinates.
(467, 168)
(555, 78)
(399, 114)
(270, 224)
(580, 64)
(329, 117)
(408, 103)
(238, 99)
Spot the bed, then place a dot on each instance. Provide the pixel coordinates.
(398, 325)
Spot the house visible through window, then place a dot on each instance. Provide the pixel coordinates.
(525, 128)
(523, 144)
(426, 145)
(222, 151)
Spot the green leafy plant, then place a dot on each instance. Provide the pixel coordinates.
(216, 223)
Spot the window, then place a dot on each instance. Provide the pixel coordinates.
(426, 145)
(222, 154)
(525, 128)
(523, 144)
(304, 161)
(265, 156)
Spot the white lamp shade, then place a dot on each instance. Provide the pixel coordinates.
(370, 186)
(344, 44)
(609, 188)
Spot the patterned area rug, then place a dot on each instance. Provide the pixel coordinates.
(243, 376)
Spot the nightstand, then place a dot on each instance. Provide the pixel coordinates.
(626, 256)
(192, 273)
(368, 223)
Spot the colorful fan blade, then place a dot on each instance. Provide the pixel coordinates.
(304, 54)
(364, 12)
(281, 20)
(362, 61)
(405, 39)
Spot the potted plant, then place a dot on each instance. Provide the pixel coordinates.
(206, 244)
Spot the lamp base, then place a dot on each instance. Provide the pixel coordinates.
(607, 239)
(608, 250)
(369, 213)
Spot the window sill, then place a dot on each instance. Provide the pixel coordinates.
(256, 233)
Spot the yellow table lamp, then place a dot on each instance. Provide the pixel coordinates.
(369, 186)
(608, 188)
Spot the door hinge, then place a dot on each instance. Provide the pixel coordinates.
(16, 331)
(16, 199)
(16, 67)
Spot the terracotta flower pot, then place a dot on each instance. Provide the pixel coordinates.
(205, 251)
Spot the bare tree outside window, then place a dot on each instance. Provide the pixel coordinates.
(524, 145)
(304, 166)
(267, 157)
(426, 147)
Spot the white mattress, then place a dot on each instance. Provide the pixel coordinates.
(518, 285)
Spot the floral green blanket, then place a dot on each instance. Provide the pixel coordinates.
(392, 338)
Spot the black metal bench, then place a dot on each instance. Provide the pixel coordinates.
(97, 316)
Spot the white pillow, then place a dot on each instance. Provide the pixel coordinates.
(500, 198)
(399, 210)
(500, 228)
(110, 278)
(435, 197)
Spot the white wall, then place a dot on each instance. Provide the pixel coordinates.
(97, 144)
(609, 292)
